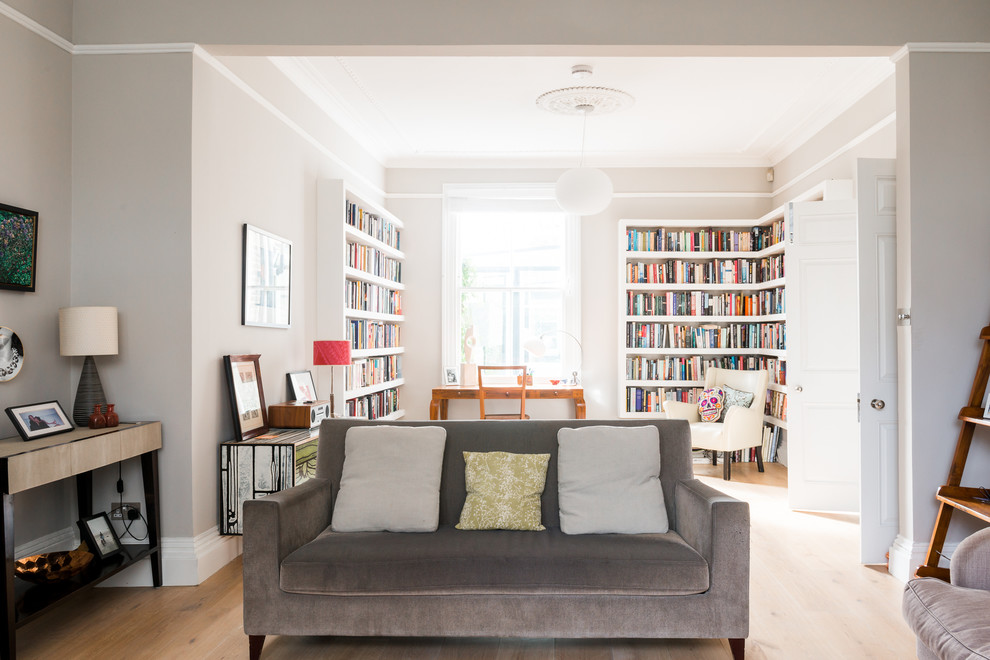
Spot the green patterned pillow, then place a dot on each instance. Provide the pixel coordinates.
(503, 490)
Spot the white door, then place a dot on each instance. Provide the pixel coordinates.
(823, 452)
(876, 187)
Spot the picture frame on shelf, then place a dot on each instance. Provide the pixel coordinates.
(39, 420)
(451, 376)
(266, 291)
(986, 401)
(246, 395)
(100, 537)
(19, 258)
(301, 386)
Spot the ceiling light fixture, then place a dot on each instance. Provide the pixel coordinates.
(584, 190)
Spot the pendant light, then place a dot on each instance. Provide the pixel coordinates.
(584, 190)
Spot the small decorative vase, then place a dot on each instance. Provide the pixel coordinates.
(112, 418)
(97, 420)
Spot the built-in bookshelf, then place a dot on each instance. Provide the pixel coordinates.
(359, 272)
(695, 294)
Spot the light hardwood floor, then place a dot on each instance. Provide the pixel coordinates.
(810, 598)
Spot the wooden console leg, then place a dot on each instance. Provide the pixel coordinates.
(255, 642)
(738, 647)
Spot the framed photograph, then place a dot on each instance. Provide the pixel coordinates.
(247, 396)
(451, 376)
(267, 279)
(301, 386)
(99, 536)
(39, 420)
(11, 353)
(19, 238)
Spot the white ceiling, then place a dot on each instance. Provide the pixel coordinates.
(447, 111)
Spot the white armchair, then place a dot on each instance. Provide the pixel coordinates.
(742, 428)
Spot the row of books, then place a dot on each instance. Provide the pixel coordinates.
(770, 335)
(777, 404)
(365, 372)
(705, 303)
(372, 298)
(714, 271)
(374, 262)
(639, 399)
(373, 406)
(365, 334)
(771, 441)
(704, 240)
(373, 225)
(693, 367)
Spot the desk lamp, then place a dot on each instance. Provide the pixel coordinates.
(332, 354)
(87, 331)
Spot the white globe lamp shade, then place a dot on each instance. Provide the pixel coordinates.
(584, 191)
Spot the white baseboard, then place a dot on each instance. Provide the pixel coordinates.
(63, 539)
(186, 561)
(906, 556)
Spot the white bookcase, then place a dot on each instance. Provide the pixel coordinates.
(359, 292)
(694, 293)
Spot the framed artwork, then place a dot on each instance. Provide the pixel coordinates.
(99, 536)
(247, 396)
(267, 279)
(19, 238)
(301, 386)
(11, 353)
(450, 376)
(39, 420)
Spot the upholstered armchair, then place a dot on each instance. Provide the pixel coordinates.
(740, 428)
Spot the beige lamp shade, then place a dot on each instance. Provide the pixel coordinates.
(87, 331)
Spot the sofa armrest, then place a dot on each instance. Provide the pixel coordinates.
(682, 410)
(970, 563)
(274, 526)
(717, 526)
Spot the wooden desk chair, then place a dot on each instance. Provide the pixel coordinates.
(497, 381)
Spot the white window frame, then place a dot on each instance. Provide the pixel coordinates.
(537, 195)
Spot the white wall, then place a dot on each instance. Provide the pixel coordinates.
(599, 260)
(35, 174)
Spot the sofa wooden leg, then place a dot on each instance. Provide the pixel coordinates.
(738, 647)
(255, 642)
(759, 458)
(726, 466)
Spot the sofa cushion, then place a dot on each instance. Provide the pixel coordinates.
(503, 490)
(609, 480)
(391, 480)
(498, 562)
(951, 621)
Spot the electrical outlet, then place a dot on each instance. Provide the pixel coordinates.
(117, 512)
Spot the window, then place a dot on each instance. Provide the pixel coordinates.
(511, 275)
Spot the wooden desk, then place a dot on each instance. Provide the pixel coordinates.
(25, 465)
(442, 395)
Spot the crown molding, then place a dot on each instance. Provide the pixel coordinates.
(940, 47)
(36, 27)
(641, 194)
(133, 49)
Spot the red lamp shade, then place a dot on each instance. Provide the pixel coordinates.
(331, 353)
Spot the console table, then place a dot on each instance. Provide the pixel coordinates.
(442, 395)
(25, 465)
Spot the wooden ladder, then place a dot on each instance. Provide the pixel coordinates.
(974, 501)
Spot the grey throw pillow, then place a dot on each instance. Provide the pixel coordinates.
(608, 480)
(735, 397)
(390, 480)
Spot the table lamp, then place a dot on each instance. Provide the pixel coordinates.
(332, 354)
(87, 331)
(538, 348)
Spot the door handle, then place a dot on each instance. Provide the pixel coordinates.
(877, 404)
(799, 389)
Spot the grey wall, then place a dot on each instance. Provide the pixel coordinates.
(35, 174)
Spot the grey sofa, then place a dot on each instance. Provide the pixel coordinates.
(300, 578)
(952, 621)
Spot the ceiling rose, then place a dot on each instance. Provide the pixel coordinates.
(584, 100)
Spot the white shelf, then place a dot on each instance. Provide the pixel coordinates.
(777, 388)
(355, 274)
(685, 319)
(624, 414)
(376, 352)
(776, 422)
(372, 389)
(398, 414)
(696, 255)
(769, 352)
(355, 235)
(751, 286)
(664, 383)
(373, 316)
